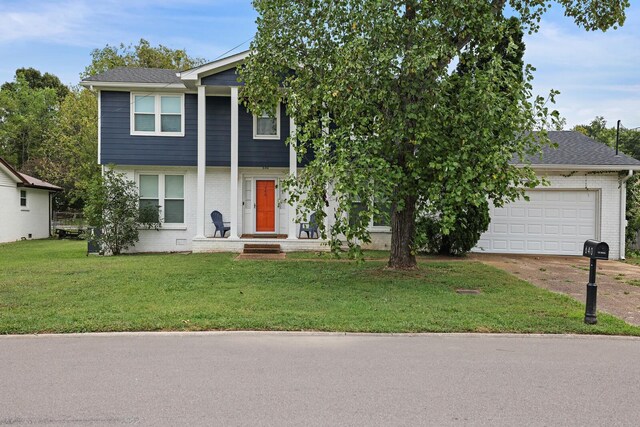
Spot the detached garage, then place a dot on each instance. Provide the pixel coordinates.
(586, 199)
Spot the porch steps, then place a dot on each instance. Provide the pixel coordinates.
(260, 248)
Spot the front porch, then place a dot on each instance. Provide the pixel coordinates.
(228, 244)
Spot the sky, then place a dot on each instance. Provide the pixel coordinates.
(598, 74)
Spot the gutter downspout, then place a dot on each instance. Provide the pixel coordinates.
(50, 212)
(623, 213)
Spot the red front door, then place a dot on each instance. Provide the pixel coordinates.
(265, 206)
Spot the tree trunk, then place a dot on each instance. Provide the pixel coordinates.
(403, 225)
(403, 229)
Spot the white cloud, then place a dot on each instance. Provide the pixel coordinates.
(81, 22)
(44, 22)
(595, 72)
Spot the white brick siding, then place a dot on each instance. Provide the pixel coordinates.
(217, 198)
(608, 186)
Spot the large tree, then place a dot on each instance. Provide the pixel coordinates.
(140, 55)
(36, 80)
(598, 130)
(68, 157)
(26, 114)
(372, 87)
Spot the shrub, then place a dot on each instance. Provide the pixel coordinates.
(112, 205)
(471, 222)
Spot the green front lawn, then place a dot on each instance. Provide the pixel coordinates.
(51, 286)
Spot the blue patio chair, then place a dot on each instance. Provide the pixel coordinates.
(216, 218)
(310, 227)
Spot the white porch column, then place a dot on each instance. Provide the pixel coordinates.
(329, 211)
(233, 233)
(202, 161)
(293, 171)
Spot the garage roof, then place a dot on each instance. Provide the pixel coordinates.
(576, 149)
(24, 180)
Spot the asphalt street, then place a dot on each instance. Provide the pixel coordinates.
(313, 379)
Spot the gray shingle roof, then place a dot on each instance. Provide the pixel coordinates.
(136, 75)
(575, 148)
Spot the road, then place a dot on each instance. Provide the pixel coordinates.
(312, 379)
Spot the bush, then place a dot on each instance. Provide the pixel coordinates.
(471, 222)
(112, 206)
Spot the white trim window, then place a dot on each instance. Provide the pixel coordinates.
(157, 114)
(379, 222)
(164, 192)
(23, 198)
(267, 126)
(382, 220)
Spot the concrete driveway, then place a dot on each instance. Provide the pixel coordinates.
(570, 275)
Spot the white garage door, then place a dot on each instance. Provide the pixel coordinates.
(551, 222)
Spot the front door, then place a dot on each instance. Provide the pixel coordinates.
(265, 206)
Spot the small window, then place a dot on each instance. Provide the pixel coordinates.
(356, 208)
(170, 114)
(380, 221)
(383, 217)
(157, 114)
(150, 194)
(145, 114)
(267, 126)
(174, 199)
(23, 198)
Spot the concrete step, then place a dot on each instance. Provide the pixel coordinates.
(257, 248)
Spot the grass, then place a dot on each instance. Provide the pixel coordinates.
(633, 258)
(51, 286)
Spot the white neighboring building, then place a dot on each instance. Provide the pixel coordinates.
(25, 205)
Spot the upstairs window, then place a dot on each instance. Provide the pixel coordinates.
(267, 126)
(157, 114)
(23, 198)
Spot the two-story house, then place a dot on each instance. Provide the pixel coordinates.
(192, 148)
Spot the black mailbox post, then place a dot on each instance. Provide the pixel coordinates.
(594, 250)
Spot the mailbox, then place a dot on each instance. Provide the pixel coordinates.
(595, 250)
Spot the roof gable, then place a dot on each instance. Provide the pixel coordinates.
(214, 67)
(10, 172)
(24, 180)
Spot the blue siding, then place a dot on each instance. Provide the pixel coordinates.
(120, 147)
(223, 78)
(218, 131)
(262, 152)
